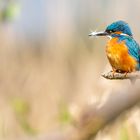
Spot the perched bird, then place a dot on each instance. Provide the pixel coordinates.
(123, 52)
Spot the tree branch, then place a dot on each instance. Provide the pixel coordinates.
(122, 76)
(94, 118)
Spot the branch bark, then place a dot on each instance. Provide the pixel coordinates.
(122, 76)
(95, 118)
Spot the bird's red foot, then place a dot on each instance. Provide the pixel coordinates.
(125, 75)
(113, 72)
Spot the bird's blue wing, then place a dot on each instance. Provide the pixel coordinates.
(134, 49)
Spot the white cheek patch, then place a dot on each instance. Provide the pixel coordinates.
(110, 37)
(124, 34)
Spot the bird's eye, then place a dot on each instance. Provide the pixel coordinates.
(109, 31)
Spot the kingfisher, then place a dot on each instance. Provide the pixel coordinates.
(122, 51)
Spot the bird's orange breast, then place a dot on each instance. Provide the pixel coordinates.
(119, 57)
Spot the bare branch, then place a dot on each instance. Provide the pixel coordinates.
(122, 76)
(94, 118)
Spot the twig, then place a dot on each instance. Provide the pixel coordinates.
(122, 76)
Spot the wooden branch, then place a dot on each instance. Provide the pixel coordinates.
(122, 76)
(95, 118)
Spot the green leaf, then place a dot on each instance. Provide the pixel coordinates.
(20, 106)
(64, 114)
(22, 109)
(11, 11)
(124, 134)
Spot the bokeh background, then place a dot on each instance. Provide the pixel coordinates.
(50, 69)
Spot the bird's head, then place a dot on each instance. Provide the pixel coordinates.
(118, 27)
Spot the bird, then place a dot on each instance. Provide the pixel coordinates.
(122, 51)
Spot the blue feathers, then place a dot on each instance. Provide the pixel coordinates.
(133, 48)
(125, 35)
(122, 59)
(119, 26)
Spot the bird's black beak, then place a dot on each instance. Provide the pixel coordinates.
(104, 33)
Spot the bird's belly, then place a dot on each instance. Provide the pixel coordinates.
(119, 57)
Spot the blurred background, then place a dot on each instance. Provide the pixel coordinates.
(50, 69)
